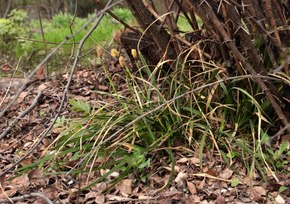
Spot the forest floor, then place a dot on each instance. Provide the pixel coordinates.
(211, 183)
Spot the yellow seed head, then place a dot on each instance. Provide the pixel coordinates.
(99, 51)
(122, 61)
(115, 53)
(134, 53)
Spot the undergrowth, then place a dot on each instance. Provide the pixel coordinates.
(21, 37)
(156, 117)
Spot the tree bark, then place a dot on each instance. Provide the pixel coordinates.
(151, 25)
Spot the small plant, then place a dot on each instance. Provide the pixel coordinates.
(12, 28)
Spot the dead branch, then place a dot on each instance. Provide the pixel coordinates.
(25, 197)
(21, 115)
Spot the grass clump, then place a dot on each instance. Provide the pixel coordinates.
(156, 118)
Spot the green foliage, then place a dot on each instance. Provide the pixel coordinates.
(12, 28)
(235, 182)
(16, 29)
(80, 106)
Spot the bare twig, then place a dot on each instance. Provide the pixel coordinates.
(25, 197)
(74, 40)
(43, 37)
(22, 114)
(278, 134)
(100, 5)
(46, 42)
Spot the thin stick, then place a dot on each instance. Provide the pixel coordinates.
(25, 197)
(43, 37)
(22, 114)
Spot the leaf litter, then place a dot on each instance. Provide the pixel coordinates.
(192, 183)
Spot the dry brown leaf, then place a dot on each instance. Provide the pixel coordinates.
(9, 192)
(257, 193)
(143, 197)
(91, 197)
(40, 73)
(22, 96)
(2, 181)
(191, 187)
(50, 193)
(125, 187)
(65, 76)
(194, 161)
(211, 172)
(37, 177)
(41, 87)
(195, 198)
(57, 130)
(201, 184)
(181, 176)
(285, 138)
(182, 160)
(100, 199)
(280, 200)
(86, 74)
(20, 182)
(220, 200)
(6, 67)
(114, 198)
(176, 168)
(226, 174)
(103, 87)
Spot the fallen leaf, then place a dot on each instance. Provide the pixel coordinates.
(201, 185)
(257, 193)
(194, 161)
(144, 197)
(235, 182)
(280, 200)
(20, 182)
(103, 87)
(182, 160)
(6, 67)
(114, 198)
(91, 197)
(211, 172)
(100, 199)
(191, 187)
(22, 96)
(181, 177)
(125, 187)
(41, 87)
(37, 177)
(40, 73)
(176, 168)
(220, 200)
(226, 174)
(2, 181)
(8, 192)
